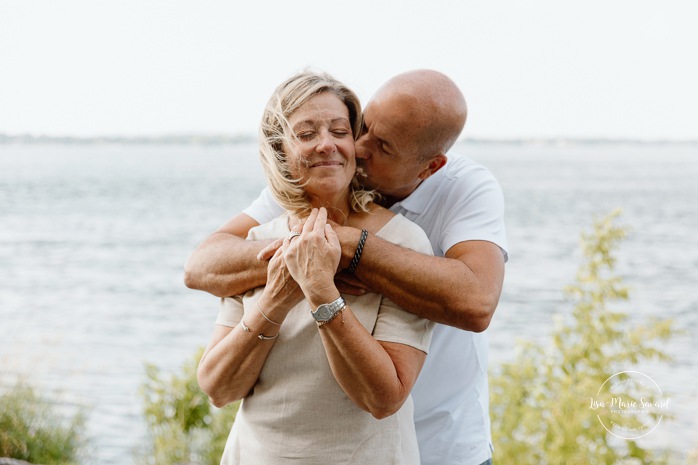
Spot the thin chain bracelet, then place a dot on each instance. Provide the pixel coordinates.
(266, 317)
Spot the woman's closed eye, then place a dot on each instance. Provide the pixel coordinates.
(305, 136)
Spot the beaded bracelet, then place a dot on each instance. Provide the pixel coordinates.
(359, 250)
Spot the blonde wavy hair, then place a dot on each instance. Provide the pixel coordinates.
(275, 129)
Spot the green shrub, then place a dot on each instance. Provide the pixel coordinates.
(541, 400)
(31, 430)
(182, 426)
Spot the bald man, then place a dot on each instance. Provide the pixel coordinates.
(411, 123)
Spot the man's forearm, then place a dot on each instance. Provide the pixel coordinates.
(444, 290)
(226, 265)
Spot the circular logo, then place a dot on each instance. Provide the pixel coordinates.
(630, 405)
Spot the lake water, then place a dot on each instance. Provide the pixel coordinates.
(93, 239)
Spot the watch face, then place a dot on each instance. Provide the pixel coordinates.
(323, 312)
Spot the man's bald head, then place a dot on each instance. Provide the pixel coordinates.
(431, 105)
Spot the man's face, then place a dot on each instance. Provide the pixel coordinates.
(387, 149)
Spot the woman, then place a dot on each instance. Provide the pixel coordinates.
(321, 376)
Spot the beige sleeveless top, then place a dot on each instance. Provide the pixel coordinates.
(296, 412)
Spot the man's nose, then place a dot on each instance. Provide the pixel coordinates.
(362, 150)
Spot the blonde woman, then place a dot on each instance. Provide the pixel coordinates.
(324, 378)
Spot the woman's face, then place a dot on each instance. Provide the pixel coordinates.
(322, 152)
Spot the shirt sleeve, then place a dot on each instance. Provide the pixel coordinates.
(475, 211)
(394, 324)
(397, 325)
(230, 312)
(264, 208)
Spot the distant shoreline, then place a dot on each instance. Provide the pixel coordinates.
(198, 139)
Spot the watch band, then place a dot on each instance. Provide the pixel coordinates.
(325, 312)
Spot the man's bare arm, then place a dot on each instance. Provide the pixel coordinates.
(460, 290)
(226, 264)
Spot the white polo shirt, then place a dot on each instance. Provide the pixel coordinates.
(460, 202)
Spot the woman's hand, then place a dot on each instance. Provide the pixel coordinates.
(313, 257)
(282, 292)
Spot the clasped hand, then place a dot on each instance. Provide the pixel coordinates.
(313, 257)
(304, 265)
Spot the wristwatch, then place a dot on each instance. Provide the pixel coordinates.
(326, 312)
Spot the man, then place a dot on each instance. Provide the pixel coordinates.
(410, 124)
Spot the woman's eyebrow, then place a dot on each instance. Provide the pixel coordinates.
(313, 122)
(304, 123)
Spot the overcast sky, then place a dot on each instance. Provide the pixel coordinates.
(539, 68)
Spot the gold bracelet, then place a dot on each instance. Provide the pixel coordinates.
(266, 317)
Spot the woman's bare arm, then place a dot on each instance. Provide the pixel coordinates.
(234, 358)
(377, 376)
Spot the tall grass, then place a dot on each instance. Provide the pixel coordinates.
(32, 429)
(182, 426)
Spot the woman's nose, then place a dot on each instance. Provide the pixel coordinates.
(326, 143)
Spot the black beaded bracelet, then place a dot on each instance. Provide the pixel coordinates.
(359, 250)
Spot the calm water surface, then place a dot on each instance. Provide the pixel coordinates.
(93, 239)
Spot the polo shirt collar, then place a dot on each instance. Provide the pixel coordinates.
(418, 200)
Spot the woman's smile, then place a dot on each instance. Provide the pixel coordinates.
(327, 164)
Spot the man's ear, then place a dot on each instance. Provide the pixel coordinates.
(435, 164)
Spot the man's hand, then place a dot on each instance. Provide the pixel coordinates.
(348, 283)
(268, 252)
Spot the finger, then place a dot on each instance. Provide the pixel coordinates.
(348, 289)
(321, 220)
(350, 279)
(350, 284)
(267, 252)
(279, 252)
(297, 228)
(292, 235)
(332, 237)
(310, 222)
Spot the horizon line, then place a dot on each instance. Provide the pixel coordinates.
(222, 139)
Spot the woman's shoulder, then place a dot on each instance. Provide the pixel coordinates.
(392, 227)
(405, 233)
(278, 227)
(373, 220)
